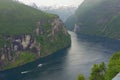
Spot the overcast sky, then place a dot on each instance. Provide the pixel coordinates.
(53, 2)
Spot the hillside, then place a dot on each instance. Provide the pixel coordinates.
(97, 17)
(22, 16)
(27, 34)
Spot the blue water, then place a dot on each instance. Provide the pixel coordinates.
(68, 63)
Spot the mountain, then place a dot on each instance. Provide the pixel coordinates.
(97, 17)
(64, 11)
(27, 34)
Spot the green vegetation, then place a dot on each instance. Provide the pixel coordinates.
(60, 41)
(98, 72)
(23, 58)
(101, 72)
(113, 66)
(16, 22)
(97, 17)
(16, 18)
(81, 77)
(101, 18)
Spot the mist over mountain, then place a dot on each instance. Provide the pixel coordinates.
(64, 11)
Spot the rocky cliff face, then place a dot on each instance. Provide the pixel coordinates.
(38, 36)
(29, 43)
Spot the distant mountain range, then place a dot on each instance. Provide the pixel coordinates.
(64, 11)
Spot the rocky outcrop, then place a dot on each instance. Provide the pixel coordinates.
(58, 25)
(27, 34)
(18, 44)
(28, 42)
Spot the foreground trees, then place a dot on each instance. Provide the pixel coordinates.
(113, 66)
(81, 77)
(101, 72)
(98, 72)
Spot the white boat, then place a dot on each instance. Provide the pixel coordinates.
(40, 65)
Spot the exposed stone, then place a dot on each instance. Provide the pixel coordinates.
(58, 25)
(15, 48)
(3, 57)
(26, 41)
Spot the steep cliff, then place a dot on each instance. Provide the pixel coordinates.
(97, 17)
(27, 34)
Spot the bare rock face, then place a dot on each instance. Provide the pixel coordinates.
(26, 41)
(58, 25)
(22, 42)
(3, 57)
(19, 43)
(39, 30)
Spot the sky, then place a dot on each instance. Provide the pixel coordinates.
(53, 2)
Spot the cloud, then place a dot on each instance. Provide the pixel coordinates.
(53, 2)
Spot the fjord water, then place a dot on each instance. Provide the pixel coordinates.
(68, 63)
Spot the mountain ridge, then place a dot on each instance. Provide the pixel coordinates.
(98, 17)
(27, 34)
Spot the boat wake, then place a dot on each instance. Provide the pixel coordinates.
(25, 72)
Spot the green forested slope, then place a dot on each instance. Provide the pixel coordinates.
(27, 34)
(97, 17)
(14, 14)
(113, 66)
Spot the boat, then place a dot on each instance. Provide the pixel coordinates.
(40, 65)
